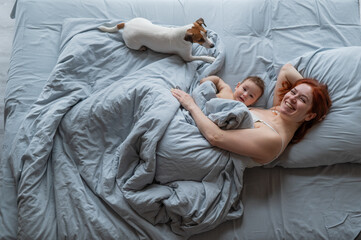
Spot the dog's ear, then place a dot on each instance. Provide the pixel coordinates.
(188, 37)
(201, 21)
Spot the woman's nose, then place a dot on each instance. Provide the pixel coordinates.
(293, 98)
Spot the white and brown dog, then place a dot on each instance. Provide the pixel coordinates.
(140, 34)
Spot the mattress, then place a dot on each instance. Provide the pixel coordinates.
(285, 200)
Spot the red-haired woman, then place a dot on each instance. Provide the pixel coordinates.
(298, 104)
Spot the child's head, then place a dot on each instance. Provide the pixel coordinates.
(249, 90)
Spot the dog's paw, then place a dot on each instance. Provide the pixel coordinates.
(210, 59)
(207, 59)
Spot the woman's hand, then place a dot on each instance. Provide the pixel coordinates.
(288, 73)
(184, 98)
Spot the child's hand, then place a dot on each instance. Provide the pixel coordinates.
(215, 79)
(203, 80)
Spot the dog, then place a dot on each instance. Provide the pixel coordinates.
(140, 34)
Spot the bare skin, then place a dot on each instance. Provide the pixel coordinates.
(261, 143)
(247, 92)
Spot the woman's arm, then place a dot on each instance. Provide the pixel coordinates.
(261, 144)
(208, 129)
(288, 73)
(224, 90)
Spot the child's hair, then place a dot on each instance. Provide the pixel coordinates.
(256, 80)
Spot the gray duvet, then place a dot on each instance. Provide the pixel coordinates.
(107, 152)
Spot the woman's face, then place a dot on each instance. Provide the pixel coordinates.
(297, 103)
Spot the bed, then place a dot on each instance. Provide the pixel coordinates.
(96, 147)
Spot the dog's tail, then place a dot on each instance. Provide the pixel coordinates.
(111, 29)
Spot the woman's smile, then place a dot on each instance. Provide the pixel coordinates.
(297, 102)
(289, 105)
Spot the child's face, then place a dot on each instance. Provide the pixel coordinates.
(247, 92)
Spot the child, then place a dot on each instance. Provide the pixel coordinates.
(248, 91)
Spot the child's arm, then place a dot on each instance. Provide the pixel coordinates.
(223, 89)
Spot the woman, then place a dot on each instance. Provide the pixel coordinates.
(298, 104)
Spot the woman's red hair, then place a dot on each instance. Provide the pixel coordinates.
(321, 103)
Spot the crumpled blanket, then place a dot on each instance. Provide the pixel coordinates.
(106, 152)
(227, 114)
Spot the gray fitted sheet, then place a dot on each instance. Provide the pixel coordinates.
(279, 203)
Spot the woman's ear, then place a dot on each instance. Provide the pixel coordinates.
(310, 116)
